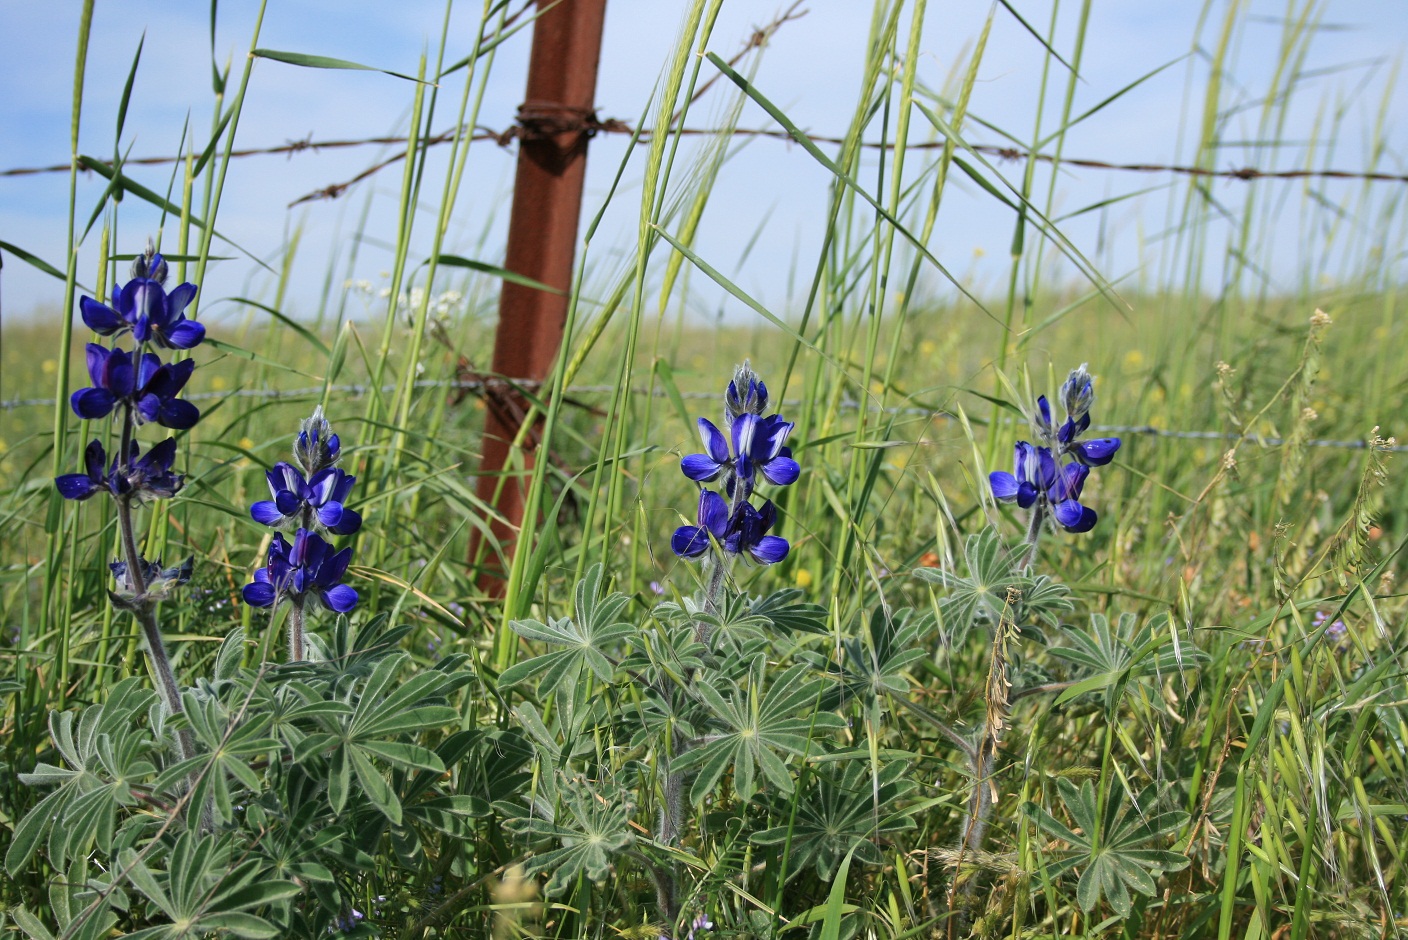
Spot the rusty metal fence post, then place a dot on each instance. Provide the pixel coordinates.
(555, 123)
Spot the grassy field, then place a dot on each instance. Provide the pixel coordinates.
(1188, 722)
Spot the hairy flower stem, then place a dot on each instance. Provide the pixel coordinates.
(297, 636)
(1034, 527)
(137, 577)
(297, 632)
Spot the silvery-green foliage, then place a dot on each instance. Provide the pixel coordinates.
(579, 832)
(84, 904)
(1115, 850)
(206, 886)
(845, 807)
(107, 751)
(621, 716)
(584, 639)
(753, 723)
(1130, 651)
(305, 775)
(994, 573)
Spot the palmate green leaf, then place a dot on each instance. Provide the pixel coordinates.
(1131, 650)
(755, 724)
(844, 811)
(591, 829)
(107, 753)
(785, 615)
(1121, 859)
(203, 889)
(589, 638)
(993, 575)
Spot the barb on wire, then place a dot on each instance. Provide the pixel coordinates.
(848, 404)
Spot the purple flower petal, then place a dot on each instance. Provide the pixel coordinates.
(349, 522)
(781, 471)
(1096, 453)
(715, 444)
(266, 512)
(1004, 485)
(288, 502)
(259, 594)
(340, 598)
(321, 486)
(744, 429)
(770, 549)
(186, 334)
(100, 317)
(700, 468)
(92, 403)
(770, 436)
(179, 299)
(76, 486)
(1073, 517)
(336, 566)
(178, 414)
(689, 541)
(97, 358)
(713, 513)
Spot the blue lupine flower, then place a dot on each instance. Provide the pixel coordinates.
(1041, 478)
(143, 306)
(1064, 496)
(1035, 469)
(324, 495)
(1042, 419)
(149, 477)
(80, 486)
(308, 566)
(758, 444)
(144, 382)
(745, 531)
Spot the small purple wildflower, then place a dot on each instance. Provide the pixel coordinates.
(1336, 633)
(755, 444)
(319, 500)
(744, 531)
(149, 477)
(143, 382)
(143, 306)
(1041, 480)
(308, 566)
(701, 922)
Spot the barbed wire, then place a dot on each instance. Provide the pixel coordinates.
(846, 404)
(591, 125)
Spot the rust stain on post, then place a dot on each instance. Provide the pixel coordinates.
(556, 120)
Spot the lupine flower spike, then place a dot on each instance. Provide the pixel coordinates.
(309, 496)
(136, 387)
(1041, 480)
(727, 521)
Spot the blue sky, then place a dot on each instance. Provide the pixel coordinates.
(812, 70)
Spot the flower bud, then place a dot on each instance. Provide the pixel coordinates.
(746, 394)
(1078, 393)
(149, 264)
(316, 448)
